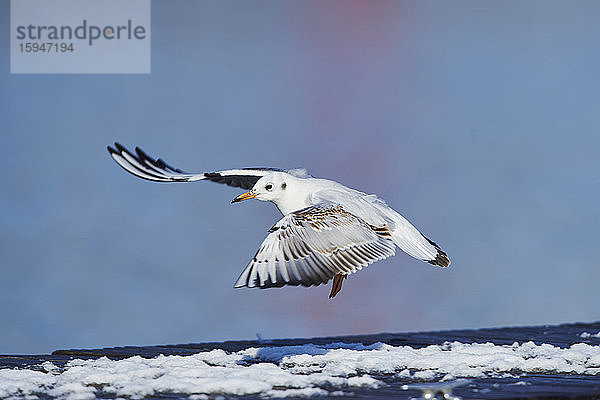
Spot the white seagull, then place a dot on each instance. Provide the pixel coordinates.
(328, 230)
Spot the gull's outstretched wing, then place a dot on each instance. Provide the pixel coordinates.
(146, 167)
(375, 211)
(311, 246)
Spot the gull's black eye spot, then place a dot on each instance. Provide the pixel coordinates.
(269, 187)
(283, 185)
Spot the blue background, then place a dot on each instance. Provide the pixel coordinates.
(478, 121)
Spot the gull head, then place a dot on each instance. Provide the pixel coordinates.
(287, 192)
(270, 187)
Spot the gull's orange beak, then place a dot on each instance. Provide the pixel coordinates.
(245, 196)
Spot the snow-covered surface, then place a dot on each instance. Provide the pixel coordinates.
(587, 335)
(293, 371)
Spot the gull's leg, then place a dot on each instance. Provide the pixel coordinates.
(336, 286)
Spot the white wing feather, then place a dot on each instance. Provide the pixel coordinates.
(376, 212)
(308, 247)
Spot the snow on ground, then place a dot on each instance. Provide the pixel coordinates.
(292, 371)
(587, 335)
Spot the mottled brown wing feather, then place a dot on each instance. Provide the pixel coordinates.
(311, 246)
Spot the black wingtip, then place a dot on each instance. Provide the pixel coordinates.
(441, 259)
(120, 148)
(141, 155)
(114, 150)
(140, 152)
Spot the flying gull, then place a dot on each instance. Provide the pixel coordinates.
(328, 230)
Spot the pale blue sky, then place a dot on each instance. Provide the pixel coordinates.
(478, 121)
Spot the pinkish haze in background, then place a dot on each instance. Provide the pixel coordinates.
(477, 121)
